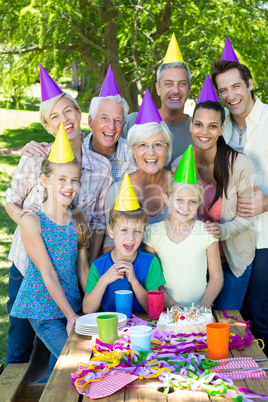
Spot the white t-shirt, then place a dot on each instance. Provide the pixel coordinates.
(184, 264)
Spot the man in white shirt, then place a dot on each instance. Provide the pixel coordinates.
(246, 130)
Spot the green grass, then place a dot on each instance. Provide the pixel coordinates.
(18, 137)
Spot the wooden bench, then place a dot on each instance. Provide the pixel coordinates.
(12, 380)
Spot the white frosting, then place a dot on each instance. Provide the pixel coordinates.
(186, 320)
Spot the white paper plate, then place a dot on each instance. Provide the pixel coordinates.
(87, 324)
(89, 320)
(93, 331)
(122, 324)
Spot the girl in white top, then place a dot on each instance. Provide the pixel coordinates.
(185, 249)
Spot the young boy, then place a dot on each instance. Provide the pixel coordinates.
(125, 267)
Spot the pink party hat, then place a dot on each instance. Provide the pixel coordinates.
(228, 52)
(49, 88)
(207, 92)
(109, 86)
(148, 112)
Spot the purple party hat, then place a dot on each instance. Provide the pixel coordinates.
(109, 87)
(49, 88)
(207, 92)
(148, 112)
(228, 52)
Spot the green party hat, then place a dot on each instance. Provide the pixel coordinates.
(186, 171)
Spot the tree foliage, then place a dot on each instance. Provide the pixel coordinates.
(131, 35)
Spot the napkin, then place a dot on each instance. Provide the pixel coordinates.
(111, 382)
(233, 363)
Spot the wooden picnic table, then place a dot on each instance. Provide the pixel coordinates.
(59, 388)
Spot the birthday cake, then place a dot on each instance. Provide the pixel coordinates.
(185, 320)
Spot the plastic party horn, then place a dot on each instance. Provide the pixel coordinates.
(123, 302)
(155, 302)
(218, 340)
(107, 328)
(140, 338)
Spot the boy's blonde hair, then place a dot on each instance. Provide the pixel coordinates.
(80, 219)
(137, 215)
(47, 107)
(173, 186)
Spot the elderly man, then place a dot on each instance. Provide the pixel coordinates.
(246, 130)
(173, 86)
(107, 116)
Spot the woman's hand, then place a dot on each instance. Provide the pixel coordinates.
(214, 229)
(33, 148)
(71, 322)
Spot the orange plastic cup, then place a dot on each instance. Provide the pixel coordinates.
(218, 340)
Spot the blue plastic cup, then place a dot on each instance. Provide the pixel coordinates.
(140, 338)
(123, 302)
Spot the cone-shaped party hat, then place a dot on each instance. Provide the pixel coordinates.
(207, 92)
(228, 52)
(173, 53)
(148, 112)
(49, 88)
(109, 86)
(61, 151)
(126, 200)
(186, 171)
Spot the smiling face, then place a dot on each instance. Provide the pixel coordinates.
(65, 112)
(62, 184)
(234, 93)
(174, 88)
(127, 235)
(206, 127)
(151, 154)
(107, 127)
(183, 204)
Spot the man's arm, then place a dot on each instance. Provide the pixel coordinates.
(256, 205)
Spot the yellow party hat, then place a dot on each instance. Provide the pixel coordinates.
(126, 200)
(61, 151)
(173, 53)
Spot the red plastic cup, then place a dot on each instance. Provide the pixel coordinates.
(155, 302)
(218, 340)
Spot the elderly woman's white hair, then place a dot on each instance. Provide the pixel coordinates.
(47, 107)
(140, 132)
(95, 102)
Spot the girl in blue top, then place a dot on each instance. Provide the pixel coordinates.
(49, 296)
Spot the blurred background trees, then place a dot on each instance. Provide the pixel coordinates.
(76, 41)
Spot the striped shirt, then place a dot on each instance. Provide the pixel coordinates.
(119, 160)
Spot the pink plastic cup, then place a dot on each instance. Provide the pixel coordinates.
(155, 302)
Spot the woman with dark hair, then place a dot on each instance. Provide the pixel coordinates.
(225, 175)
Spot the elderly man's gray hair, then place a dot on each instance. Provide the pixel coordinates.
(96, 101)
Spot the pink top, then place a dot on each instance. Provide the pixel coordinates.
(214, 213)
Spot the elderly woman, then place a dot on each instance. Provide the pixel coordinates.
(26, 193)
(150, 149)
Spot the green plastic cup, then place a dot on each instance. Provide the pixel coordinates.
(107, 328)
